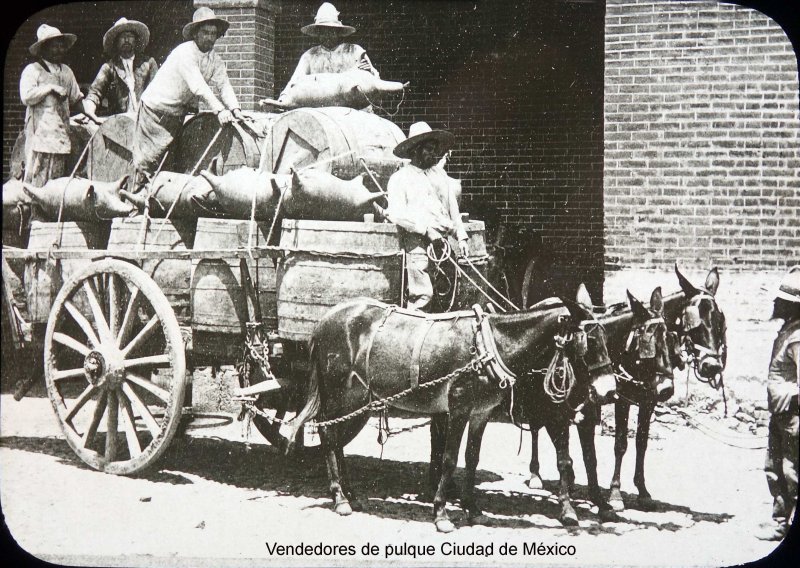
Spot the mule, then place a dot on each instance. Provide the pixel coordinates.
(700, 331)
(363, 350)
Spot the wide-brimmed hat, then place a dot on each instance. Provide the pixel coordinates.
(789, 289)
(327, 18)
(125, 25)
(421, 132)
(201, 17)
(47, 33)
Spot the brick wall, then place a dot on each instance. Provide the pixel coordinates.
(520, 84)
(89, 21)
(702, 137)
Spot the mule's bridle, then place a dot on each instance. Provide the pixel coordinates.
(696, 354)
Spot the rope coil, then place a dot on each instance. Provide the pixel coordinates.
(560, 376)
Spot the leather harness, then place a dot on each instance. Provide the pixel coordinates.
(485, 347)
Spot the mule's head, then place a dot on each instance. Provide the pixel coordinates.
(587, 348)
(703, 328)
(651, 350)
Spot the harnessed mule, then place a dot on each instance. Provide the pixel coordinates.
(462, 365)
(619, 322)
(704, 331)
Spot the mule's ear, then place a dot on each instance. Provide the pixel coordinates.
(89, 192)
(657, 301)
(583, 298)
(638, 309)
(712, 281)
(686, 286)
(576, 310)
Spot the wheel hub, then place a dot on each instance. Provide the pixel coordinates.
(94, 367)
(100, 370)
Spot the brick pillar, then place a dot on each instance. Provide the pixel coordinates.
(248, 48)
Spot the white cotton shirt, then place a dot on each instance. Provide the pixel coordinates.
(418, 198)
(189, 74)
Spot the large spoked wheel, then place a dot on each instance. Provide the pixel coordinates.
(115, 367)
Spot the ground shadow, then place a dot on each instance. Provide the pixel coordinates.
(386, 488)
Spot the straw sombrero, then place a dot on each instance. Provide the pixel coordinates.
(125, 25)
(201, 17)
(327, 18)
(47, 33)
(421, 132)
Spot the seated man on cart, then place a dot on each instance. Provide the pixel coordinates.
(423, 204)
(332, 55)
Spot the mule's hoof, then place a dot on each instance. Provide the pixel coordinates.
(607, 515)
(569, 519)
(343, 509)
(617, 505)
(356, 505)
(645, 503)
(479, 519)
(535, 482)
(445, 526)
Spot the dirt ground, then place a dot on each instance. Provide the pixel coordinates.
(218, 498)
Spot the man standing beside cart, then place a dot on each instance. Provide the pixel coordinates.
(188, 74)
(123, 78)
(48, 88)
(422, 202)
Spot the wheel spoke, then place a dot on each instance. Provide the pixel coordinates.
(112, 426)
(68, 374)
(113, 306)
(149, 386)
(129, 425)
(88, 436)
(71, 342)
(159, 360)
(146, 331)
(80, 402)
(82, 322)
(97, 312)
(141, 407)
(127, 319)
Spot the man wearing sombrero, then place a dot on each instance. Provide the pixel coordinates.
(48, 88)
(187, 76)
(783, 390)
(122, 79)
(422, 202)
(332, 55)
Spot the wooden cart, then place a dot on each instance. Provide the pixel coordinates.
(123, 325)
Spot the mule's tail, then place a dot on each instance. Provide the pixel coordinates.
(313, 400)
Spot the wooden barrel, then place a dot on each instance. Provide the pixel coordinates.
(219, 304)
(309, 135)
(79, 135)
(239, 145)
(44, 278)
(110, 156)
(313, 278)
(172, 275)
